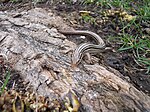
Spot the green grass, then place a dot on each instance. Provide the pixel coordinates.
(143, 12)
(89, 19)
(142, 7)
(14, 1)
(132, 35)
(140, 49)
(110, 3)
(136, 41)
(5, 82)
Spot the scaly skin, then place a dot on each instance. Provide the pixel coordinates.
(84, 48)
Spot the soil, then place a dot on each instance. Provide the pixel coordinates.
(121, 61)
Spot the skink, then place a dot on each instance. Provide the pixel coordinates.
(85, 47)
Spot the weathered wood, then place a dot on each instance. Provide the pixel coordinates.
(42, 56)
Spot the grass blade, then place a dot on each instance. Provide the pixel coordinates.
(5, 83)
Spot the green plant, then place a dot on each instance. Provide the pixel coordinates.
(140, 48)
(14, 1)
(131, 35)
(88, 18)
(144, 12)
(145, 61)
(88, 1)
(5, 82)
